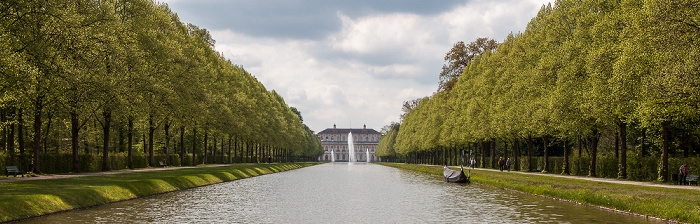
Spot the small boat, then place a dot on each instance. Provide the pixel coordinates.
(456, 176)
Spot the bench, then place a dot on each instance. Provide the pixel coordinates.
(12, 170)
(692, 179)
(161, 164)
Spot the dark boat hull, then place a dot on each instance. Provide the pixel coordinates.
(454, 176)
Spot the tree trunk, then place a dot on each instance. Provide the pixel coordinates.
(492, 143)
(230, 138)
(194, 146)
(86, 142)
(182, 145)
(579, 145)
(151, 130)
(545, 167)
(617, 145)
(46, 133)
(38, 107)
(505, 150)
(75, 131)
(213, 149)
(206, 147)
(516, 154)
(644, 139)
(120, 129)
(235, 150)
(244, 152)
(484, 145)
(623, 150)
(222, 151)
(167, 142)
(666, 147)
(107, 115)
(129, 147)
(20, 131)
(249, 152)
(566, 156)
(529, 152)
(11, 138)
(145, 146)
(593, 153)
(3, 135)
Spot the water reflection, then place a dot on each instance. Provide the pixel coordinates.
(341, 193)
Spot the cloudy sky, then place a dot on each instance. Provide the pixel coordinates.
(350, 62)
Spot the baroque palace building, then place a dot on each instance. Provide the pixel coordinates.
(336, 140)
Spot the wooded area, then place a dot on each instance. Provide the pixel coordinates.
(128, 78)
(621, 78)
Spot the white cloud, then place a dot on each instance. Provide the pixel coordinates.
(363, 72)
(392, 32)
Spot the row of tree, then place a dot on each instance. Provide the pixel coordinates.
(581, 70)
(90, 66)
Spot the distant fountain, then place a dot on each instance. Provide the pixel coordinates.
(351, 149)
(367, 155)
(332, 155)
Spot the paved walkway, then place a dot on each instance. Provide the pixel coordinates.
(59, 176)
(606, 180)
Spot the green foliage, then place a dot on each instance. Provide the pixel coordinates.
(87, 67)
(580, 69)
(386, 143)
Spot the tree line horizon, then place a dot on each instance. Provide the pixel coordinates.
(622, 72)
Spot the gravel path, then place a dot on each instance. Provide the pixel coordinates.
(606, 180)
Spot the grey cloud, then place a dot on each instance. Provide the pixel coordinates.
(296, 19)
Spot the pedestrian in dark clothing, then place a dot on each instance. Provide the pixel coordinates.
(682, 174)
(501, 163)
(508, 164)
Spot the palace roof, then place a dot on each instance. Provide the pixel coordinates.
(348, 130)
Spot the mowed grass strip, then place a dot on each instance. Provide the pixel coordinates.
(24, 199)
(681, 205)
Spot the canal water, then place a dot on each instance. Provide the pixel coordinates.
(341, 193)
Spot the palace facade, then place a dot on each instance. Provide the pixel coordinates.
(335, 143)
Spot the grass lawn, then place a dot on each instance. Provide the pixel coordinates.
(667, 203)
(24, 199)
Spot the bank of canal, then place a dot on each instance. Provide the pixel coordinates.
(666, 203)
(341, 193)
(30, 198)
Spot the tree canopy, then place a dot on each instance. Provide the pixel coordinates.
(98, 61)
(581, 68)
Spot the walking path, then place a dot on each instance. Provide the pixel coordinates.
(59, 176)
(598, 179)
(606, 180)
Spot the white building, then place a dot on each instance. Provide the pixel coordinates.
(336, 140)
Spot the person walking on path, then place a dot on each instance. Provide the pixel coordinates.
(508, 164)
(501, 163)
(682, 174)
